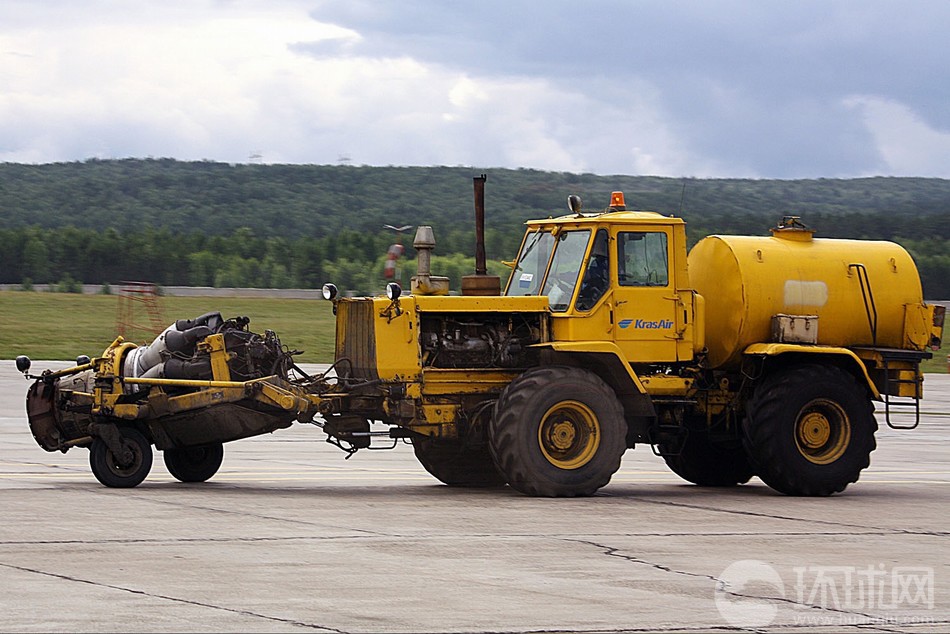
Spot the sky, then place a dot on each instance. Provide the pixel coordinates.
(699, 88)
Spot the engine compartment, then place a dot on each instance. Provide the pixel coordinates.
(478, 340)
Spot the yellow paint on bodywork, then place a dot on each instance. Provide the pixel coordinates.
(214, 346)
(746, 280)
(666, 385)
(775, 349)
(438, 381)
(596, 347)
(494, 303)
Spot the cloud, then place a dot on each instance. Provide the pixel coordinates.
(167, 83)
(732, 88)
(740, 88)
(907, 145)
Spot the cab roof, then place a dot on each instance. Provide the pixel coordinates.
(639, 218)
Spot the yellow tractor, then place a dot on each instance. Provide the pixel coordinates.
(749, 356)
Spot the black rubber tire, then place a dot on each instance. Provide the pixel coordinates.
(194, 464)
(455, 465)
(708, 464)
(810, 430)
(557, 431)
(109, 472)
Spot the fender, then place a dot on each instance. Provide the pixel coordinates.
(851, 361)
(606, 360)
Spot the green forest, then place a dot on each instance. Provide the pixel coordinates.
(297, 226)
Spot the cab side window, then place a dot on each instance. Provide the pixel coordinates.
(642, 259)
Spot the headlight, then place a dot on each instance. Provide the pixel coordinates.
(330, 291)
(393, 291)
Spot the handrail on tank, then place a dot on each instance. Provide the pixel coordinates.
(866, 294)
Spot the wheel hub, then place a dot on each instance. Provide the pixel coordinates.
(562, 435)
(815, 430)
(128, 460)
(569, 435)
(822, 431)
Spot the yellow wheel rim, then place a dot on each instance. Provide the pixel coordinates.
(569, 435)
(822, 431)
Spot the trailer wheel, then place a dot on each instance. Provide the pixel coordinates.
(456, 465)
(707, 464)
(108, 469)
(194, 464)
(558, 432)
(810, 430)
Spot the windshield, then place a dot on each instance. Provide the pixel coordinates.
(526, 278)
(565, 266)
(532, 261)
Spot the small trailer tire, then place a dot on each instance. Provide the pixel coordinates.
(107, 468)
(194, 464)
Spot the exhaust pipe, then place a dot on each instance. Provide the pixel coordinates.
(481, 283)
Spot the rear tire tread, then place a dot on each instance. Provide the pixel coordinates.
(772, 457)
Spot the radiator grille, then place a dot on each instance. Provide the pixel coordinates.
(356, 338)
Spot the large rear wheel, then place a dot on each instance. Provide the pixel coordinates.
(810, 430)
(708, 462)
(558, 432)
(123, 471)
(456, 465)
(194, 464)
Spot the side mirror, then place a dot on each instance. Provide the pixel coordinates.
(23, 363)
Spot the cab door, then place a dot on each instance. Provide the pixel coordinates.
(647, 310)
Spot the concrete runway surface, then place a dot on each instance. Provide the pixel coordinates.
(290, 537)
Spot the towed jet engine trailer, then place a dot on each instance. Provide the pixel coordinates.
(183, 393)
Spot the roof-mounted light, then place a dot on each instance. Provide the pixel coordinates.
(616, 202)
(330, 291)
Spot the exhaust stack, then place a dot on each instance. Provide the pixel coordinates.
(481, 283)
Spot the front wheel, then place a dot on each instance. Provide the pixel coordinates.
(810, 430)
(112, 471)
(194, 464)
(557, 432)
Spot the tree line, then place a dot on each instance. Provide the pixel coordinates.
(70, 256)
(215, 224)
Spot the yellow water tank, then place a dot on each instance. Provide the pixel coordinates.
(746, 281)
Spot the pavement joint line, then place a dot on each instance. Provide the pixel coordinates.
(173, 599)
(243, 513)
(701, 507)
(436, 537)
(721, 585)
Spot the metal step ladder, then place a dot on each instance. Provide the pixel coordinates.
(893, 383)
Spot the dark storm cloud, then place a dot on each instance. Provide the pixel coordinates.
(759, 87)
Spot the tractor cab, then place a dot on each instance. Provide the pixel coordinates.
(614, 275)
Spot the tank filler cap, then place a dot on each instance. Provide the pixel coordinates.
(792, 228)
